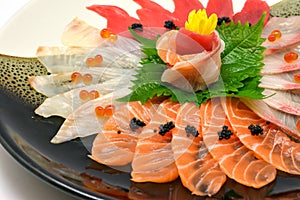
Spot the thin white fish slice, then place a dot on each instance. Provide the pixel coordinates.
(281, 119)
(64, 104)
(289, 28)
(51, 85)
(84, 121)
(62, 59)
(275, 63)
(283, 81)
(284, 101)
(80, 33)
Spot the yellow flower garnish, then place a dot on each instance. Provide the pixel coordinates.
(199, 22)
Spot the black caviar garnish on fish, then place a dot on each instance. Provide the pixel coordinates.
(169, 24)
(119, 132)
(164, 128)
(223, 19)
(268, 122)
(137, 26)
(136, 124)
(225, 133)
(255, 129)
(191, 130)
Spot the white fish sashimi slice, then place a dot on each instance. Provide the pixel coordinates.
(281, 119)
(289, 28)
(64, 104)
(61, 59)
(283, 81)
(79, 33)
(83, 121)
(283, 100)
(51, 85)
(275, 63)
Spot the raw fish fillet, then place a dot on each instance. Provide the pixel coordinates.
(235, 159)
(197, 169)
(274, 146)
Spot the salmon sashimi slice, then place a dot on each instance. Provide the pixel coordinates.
(235, 159)
(290, 123)
(271, 144)
(115, 144)
(197, 169)
(153, 160)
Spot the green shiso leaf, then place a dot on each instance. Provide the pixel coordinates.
(239, 76)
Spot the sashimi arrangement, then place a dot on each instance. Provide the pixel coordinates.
(199, 94)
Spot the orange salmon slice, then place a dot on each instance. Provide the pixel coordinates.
(115, 145)
(235, 159)
(197, 169)
(273, 145)
(153, 160)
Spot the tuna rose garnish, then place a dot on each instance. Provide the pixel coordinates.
(192, 53)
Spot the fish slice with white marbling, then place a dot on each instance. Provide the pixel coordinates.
(282, 81)
(53, 84)
(290, 32)
(287, 121)
(84, 121)
(64, 104)
(283, 100)
(275, 63)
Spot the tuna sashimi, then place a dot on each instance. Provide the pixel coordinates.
(272, 144)
(281, 119)
(64, 104)
(282, 81)
(153, 160)
(197, 169)
(223, 8)
(283, 100)
(290, 32)
(118, 19)
(78, 123)
(79, 33)
(252, 12)
(115, 144)
(275, 63)
(235, 159)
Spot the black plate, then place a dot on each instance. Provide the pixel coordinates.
(26, 137)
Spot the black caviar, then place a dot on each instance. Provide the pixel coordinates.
(169, 24)
(191, 130)
(164, 128)
(136, 124)
(256, 130)
(223, 19)
(137, 26)
(119, 132)
(225, 133)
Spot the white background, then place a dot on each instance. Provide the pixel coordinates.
(16, 183)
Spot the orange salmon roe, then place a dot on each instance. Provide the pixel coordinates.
(297, 78)
(113, 37)
(90, 62)
(76, 77)
(94, 94)
(290, 57)
(84, 95)
(109, 110)
(87, 79)
(99, 110)
(272, 38)
(98, 59)
(105, 33)
(277, 33)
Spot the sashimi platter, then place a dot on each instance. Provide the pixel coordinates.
(198, 102)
